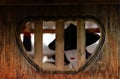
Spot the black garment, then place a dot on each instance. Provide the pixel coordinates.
(27, 43)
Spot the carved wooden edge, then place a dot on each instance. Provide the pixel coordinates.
(88, 62)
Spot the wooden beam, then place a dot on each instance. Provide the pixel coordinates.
(97, 30)
(81, 42)
(92, 30)
(38, 43)
(59, 44)
(48, 30)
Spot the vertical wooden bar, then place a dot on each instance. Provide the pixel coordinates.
(60, 44)
(38, 55)
(81, 40)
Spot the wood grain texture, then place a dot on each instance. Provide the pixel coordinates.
(59, 44)
(81, 43)
(59, 2)
(38, 43)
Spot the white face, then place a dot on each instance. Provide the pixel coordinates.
(71, 55)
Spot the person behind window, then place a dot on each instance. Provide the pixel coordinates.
(27, 35)
(70, 44)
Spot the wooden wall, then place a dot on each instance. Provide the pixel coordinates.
(14, 66)
(21, 2)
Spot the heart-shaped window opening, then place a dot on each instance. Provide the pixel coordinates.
(60, 45)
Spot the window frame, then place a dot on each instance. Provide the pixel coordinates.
(87, 63)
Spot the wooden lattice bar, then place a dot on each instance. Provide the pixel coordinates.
(81, 42)
(38, 42)
(60, 44)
